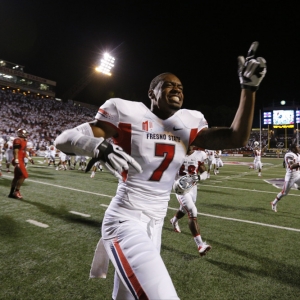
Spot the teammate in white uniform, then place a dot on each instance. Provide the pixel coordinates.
(292, 176)
(9, 152)
(2, 142)
(47, 154)
(192, 165)
(97, 165)
(62, 164)
(52, 149)
(154, 142)
(257, 165)
(219, 162)
(211, 162)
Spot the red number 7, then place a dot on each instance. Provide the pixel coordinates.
(167, 151)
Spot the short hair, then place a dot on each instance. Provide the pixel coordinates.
(157, 79)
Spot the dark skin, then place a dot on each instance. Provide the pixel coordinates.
(167, 98)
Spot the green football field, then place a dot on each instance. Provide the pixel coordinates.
(47, 240)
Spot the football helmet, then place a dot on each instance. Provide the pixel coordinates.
(256, 143)
(22, 133)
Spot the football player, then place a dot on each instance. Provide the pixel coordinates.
(150, 146)
(211, 162)
(192, 165)
(2, 142)
(219, 162)
(257, 152)
(292, 175)
(97, 166)
(53, 150)
(20, 172)
(8, 146)
(62, 164)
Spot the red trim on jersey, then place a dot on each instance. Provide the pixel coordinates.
(124, 138)
(193, 134)
(129, 272)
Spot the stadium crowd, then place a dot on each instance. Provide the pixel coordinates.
(43, 118)
(46, 118)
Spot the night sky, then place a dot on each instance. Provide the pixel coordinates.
(199, 41)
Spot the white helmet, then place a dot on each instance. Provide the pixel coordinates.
(256, 143)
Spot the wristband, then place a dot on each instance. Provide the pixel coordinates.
(16, 161)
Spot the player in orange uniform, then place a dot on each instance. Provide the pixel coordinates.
(20, 172)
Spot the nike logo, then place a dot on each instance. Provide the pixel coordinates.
(175, 129)
(122, 221)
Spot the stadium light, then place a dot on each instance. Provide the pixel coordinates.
(107, 63)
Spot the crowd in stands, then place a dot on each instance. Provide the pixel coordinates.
(46, 118)
(43, 118)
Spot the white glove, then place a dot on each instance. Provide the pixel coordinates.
(252, 70)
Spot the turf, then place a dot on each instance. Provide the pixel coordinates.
(255, 252)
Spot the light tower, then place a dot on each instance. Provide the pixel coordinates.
(106, 64)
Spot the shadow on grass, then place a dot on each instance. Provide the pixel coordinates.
(184, 255)
(217, 192)
(284, 273)
(9, 227)
(63, 214)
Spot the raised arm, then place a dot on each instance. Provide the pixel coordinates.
(251, 71)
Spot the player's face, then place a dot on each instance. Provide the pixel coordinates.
(168, 96)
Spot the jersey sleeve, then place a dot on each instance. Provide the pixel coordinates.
(108, 112)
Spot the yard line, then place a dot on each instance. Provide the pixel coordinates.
(79, 214)
(240, 189)
(36, 223)
(244, 221)
(208, 215)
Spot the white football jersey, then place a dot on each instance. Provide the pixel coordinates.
(291, 158)
(211, 156)
(159, 146)
(192, 163)
(257, 154)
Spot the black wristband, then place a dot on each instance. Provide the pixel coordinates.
(105, 148)
(249, 87)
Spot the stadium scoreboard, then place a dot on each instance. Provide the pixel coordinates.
(281, 118)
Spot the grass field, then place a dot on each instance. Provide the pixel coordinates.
(255, 252)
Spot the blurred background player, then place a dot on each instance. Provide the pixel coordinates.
(28, 156)
(192, 165)
(2, 142)
(97, 166)
(52, 149)
(47, 154)
(8, 146)
(81, 160)
(20, 172)
(211, 162)
(219, 162)
(257, 164)
(292, 175)
(62, 164)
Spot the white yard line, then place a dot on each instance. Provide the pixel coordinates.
(36, 223)
(79, 214)
(202, 214)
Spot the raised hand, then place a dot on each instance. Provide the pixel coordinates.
(251, 70)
